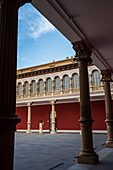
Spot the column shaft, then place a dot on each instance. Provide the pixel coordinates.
(29, 118)
(8, 63)
(106, 78)
(53, 118)
(87, 154)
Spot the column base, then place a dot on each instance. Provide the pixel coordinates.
(109, 144)
(53, 132)
(88, 159)
(28, 132)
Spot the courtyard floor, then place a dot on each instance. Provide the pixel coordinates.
(51, 152)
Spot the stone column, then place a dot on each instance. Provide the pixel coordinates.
(90, 81)
(52, 87)
(53, 117)
(44, 88)
(29, 93)
(22, 91)
(87, 154)
(37, 89)
(61, 85)
(8, 63)
(29, 118)
(106, 79)
(70, 84)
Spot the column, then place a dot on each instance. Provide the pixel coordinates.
(22, 91)
(37, 89)
(90, 81)
(61, 85)
(8, 63)
(87, 154)
(44, 88)
(70, 84)
(29, 118)
(53, 117)
(29, 94)
(106, 79)
(52, 87)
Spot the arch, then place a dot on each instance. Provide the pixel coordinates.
(33, 87)
(75, 81)
(48, 85)
(26, 87)
(57, 83)
(66, 82)
(19, 89)
(96, 78)
(41, 86)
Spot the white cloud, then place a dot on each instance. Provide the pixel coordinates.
(32, 24)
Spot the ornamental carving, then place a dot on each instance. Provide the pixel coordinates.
(106, 76)
(82, 51)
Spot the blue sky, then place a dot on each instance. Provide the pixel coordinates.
(39, 42)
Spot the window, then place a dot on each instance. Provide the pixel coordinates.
(19, 91)
(26, 87)
(95, 78)
(75, 81)
(41, 86)
(48, 85)
(57, 84)
(66, 82)
(33, 87)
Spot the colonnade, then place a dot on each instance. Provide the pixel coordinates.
(8, 119)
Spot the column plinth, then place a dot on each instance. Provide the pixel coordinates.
(87, 154)
(106, 78)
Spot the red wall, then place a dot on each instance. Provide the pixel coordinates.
(67, 116)
(22, 113)
(98, 115)
(38, 113)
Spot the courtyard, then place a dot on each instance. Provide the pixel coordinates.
(47, 152)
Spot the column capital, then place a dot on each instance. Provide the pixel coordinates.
(52, 101)
(106, 76)
(29, 103)
(83, 53)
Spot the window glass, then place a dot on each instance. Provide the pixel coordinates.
(33, 87)
(41, 86)
(75, 81)
(57, 84)
(66, 82)
(48, 85)
(19, 92)
(26, 88)
(96, 78)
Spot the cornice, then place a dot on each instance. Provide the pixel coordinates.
(48, 70)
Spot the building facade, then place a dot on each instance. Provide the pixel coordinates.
(50, 93)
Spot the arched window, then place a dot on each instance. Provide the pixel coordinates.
(66, 82)
(48, 85)
(57, 84)
(75, 81)
(19, 91)
(41, 86)
(95, 78)
(26, 87)
(33, 87)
